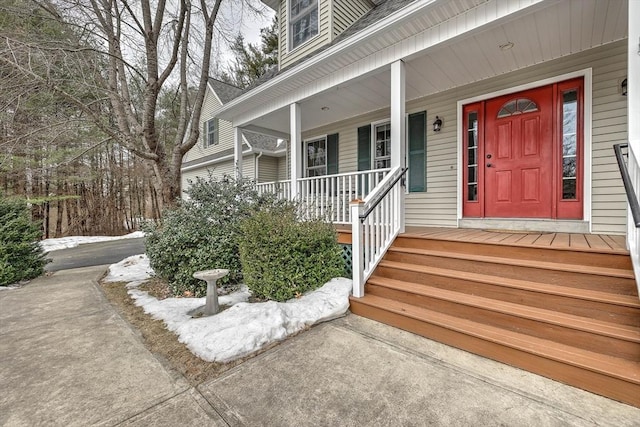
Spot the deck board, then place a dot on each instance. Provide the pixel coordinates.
(577, 241)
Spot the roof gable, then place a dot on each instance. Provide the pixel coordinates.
(224, 91)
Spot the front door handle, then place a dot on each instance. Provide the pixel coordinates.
(489, 165)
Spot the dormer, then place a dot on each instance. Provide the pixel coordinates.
(308, 25)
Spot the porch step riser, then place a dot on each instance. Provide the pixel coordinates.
(608, 260)
(612, 387)
(573, 279)
(560, 333)
(607, 312)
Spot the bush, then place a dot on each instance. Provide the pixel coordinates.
(201, 233)
(21, 257)
(283, 258)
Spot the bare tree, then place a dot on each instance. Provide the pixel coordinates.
(115, 61)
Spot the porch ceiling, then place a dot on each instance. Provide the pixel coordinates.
(560, 28)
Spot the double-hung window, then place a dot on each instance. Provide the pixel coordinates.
(374, 149)
(316, 157)
(211, 132)
(382, 146)
(321, 155)
(303, 21)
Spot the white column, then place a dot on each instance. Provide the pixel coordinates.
(633, 123)
(633, 75)
(295, 146)
(398, 128)
(237, 152)
(398, 125)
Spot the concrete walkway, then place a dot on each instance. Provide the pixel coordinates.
(67, 358)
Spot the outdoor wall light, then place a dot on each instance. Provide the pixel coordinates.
(437, 124)
(623, 87)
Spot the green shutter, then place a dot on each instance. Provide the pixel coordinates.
(417, 152)
(332, 154)
(204, 134)
(364, 148)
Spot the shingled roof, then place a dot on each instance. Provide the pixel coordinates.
(225, 91)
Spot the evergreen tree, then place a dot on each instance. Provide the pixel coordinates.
(21, 256)
(252, 61)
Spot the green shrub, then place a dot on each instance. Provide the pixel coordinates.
(21, 257)
(283, 258)
(201, 234)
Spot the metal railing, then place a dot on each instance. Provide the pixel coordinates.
(375, 222)
(630, 172)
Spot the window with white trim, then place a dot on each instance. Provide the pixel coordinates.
(382, 146)
(211, 132)
(316, 157)
(303, 21)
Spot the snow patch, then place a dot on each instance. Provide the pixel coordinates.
(243, 328)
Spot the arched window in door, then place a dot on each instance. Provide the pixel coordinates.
(517, 106)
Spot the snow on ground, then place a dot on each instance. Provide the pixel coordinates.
(49, 245)
(240, 330)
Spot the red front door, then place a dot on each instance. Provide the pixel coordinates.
(523, 154)
(518, 151)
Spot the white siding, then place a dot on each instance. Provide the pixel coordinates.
(437, 206)
(346, 12)
(225, 132)
(288, 56)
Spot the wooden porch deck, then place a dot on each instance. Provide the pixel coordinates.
(606, 243)
(572, 241)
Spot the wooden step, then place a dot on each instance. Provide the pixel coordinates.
(600, 258)
(583, 268)
(586, 277)
(602, 374)
(590, 334)
(606, 306)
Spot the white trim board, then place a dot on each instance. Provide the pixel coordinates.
(587, 75)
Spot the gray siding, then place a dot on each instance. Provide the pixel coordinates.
(283, 168)
(437, 206)
(267, 169)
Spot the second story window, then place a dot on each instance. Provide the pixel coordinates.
(303, 21)
(211, 133)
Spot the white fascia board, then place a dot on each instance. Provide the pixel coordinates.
(468, 21)
(214, 161)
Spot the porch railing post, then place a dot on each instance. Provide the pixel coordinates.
(295, 142)
(357, 250)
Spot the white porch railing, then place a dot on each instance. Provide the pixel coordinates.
(375, 221)
(282, 189)
(630, 172)
(328, 196)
